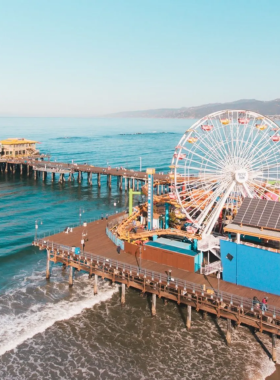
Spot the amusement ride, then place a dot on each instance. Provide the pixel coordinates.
(223, 158)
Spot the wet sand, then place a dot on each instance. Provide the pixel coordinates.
(275, 375)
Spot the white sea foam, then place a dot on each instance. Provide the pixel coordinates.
(16, 328)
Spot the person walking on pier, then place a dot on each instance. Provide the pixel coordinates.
(119, 249)
(264, 303)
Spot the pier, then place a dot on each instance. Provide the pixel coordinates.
(126, 178)
(98, 255)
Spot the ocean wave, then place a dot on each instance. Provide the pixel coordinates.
(17, 327)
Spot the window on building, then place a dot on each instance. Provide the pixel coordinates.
(23, 152)
(16, 152)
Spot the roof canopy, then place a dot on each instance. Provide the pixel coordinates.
(17, 141)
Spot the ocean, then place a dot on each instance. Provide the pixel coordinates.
(48, 331)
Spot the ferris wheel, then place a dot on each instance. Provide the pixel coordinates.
(223, 158)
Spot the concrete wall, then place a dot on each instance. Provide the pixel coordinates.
(252, 267)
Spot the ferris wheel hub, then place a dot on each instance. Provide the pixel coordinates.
(241, 176)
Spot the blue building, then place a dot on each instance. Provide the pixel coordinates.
(252, 257)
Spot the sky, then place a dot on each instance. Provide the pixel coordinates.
(95, 57)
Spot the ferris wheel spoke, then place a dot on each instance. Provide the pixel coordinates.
(203, 191)
(199, 155)
(206, 141)
(248, 191)
(222, 136)
(259, 186)
(209, 151)
(218, 209)
(267, 159)
(256, 143)
(260, 146)
(195, 168)
(271, 156)
(211, 202)
(207, 147)
(217, 136)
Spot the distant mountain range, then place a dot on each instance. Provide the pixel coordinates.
(271, 107)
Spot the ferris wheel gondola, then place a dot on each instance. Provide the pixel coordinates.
(223, 158)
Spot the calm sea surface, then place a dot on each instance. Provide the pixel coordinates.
(48, 331)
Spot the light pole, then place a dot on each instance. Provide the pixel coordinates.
(36, 226)
(140, 164)
(81, 210)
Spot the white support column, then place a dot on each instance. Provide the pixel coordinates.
(189, 317)
(95, 290)
(123, 295)
(237, 238)
(273, 353)
(71, 276)
(154, 302)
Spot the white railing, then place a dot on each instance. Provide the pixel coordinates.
(211, 268)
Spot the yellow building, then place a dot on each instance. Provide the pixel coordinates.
(14, 147)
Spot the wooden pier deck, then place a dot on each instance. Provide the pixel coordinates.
(42, 168)
(218, 297)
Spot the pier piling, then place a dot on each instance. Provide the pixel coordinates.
(109, 181)
(95, 289)
(98, 180)
(48, 268)
(228, 334)
(273, 353)
(61, 178)
(189, 317)
(154, 300)
(120, 182)
(71, 276)
(90, 178)
(123, 295)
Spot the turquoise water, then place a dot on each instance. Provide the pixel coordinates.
(50, 332)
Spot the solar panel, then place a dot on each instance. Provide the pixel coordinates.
(259, 213)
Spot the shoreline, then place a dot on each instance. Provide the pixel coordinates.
(276, 374)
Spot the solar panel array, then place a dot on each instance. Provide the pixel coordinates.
(259, 213)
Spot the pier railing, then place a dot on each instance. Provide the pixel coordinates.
(58, 230)
(172, 284)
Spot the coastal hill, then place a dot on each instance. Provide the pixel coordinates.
(271, 107)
